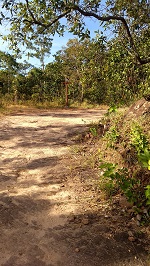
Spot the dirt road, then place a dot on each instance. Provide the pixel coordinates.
(42, 220)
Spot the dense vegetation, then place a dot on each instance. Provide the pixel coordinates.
(124, 159)
(98, 70)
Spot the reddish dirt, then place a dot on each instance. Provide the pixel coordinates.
(49, 214)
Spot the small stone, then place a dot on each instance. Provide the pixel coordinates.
(83, 247)
(130, 224)
(130, 211)
(145, 212)
(138, 217)
(130, 234)
(71, 219)
(131, 238)
(85, 221)
(138, 223)
(115, 219)
(77, 250)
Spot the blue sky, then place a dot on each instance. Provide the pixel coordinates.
(58, 42)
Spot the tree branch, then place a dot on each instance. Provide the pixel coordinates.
(45, 26)
(123, 21)
(88, 14)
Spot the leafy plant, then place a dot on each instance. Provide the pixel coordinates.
(93, 131)
(140, 142)
(122, 179)
(112, 109)
(144, 158)
(112, 136)
(108, 186)
(147, 194)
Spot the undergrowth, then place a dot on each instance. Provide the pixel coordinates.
(124, 160)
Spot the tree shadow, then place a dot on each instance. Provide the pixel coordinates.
(75, 242)
(34, 233)
(36, 227)
(98, 244)
(42, 135)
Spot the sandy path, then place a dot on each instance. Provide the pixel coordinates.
(35, 202)
(47, 215)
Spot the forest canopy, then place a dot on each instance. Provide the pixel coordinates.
(34, 21)
(99, 69)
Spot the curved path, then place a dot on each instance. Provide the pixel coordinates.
(34, 200)
(43, 216)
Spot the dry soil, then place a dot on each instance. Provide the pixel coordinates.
(48, 216)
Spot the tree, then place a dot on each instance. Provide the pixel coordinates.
(82, 64)
(8, 69)
(8, 62)
(72, 58)
(30, 20)
(54, 81)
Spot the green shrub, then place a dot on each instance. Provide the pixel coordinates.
(122, 179)
(147, 194)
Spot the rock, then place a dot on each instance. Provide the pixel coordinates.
(145, 212)
(85, 221)
(77, 250)
(138, 217)
(130, 234)
(131, 238)
(130, 211)
(71, 219)
(139, 108)
(138, 223)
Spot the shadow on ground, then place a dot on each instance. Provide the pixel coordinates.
(42, 221)
(33, 243)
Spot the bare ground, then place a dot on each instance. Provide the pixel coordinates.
(49, 214)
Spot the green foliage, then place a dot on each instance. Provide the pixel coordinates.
(8, 62)
(99, 71)
(112, 109)
(112, 136)
(34, 22)
(144, 158)
(81, 63)
(93, 131)
(130, 142)
(122, 179)
(140, 142)
(107, 186)
(147, 194)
